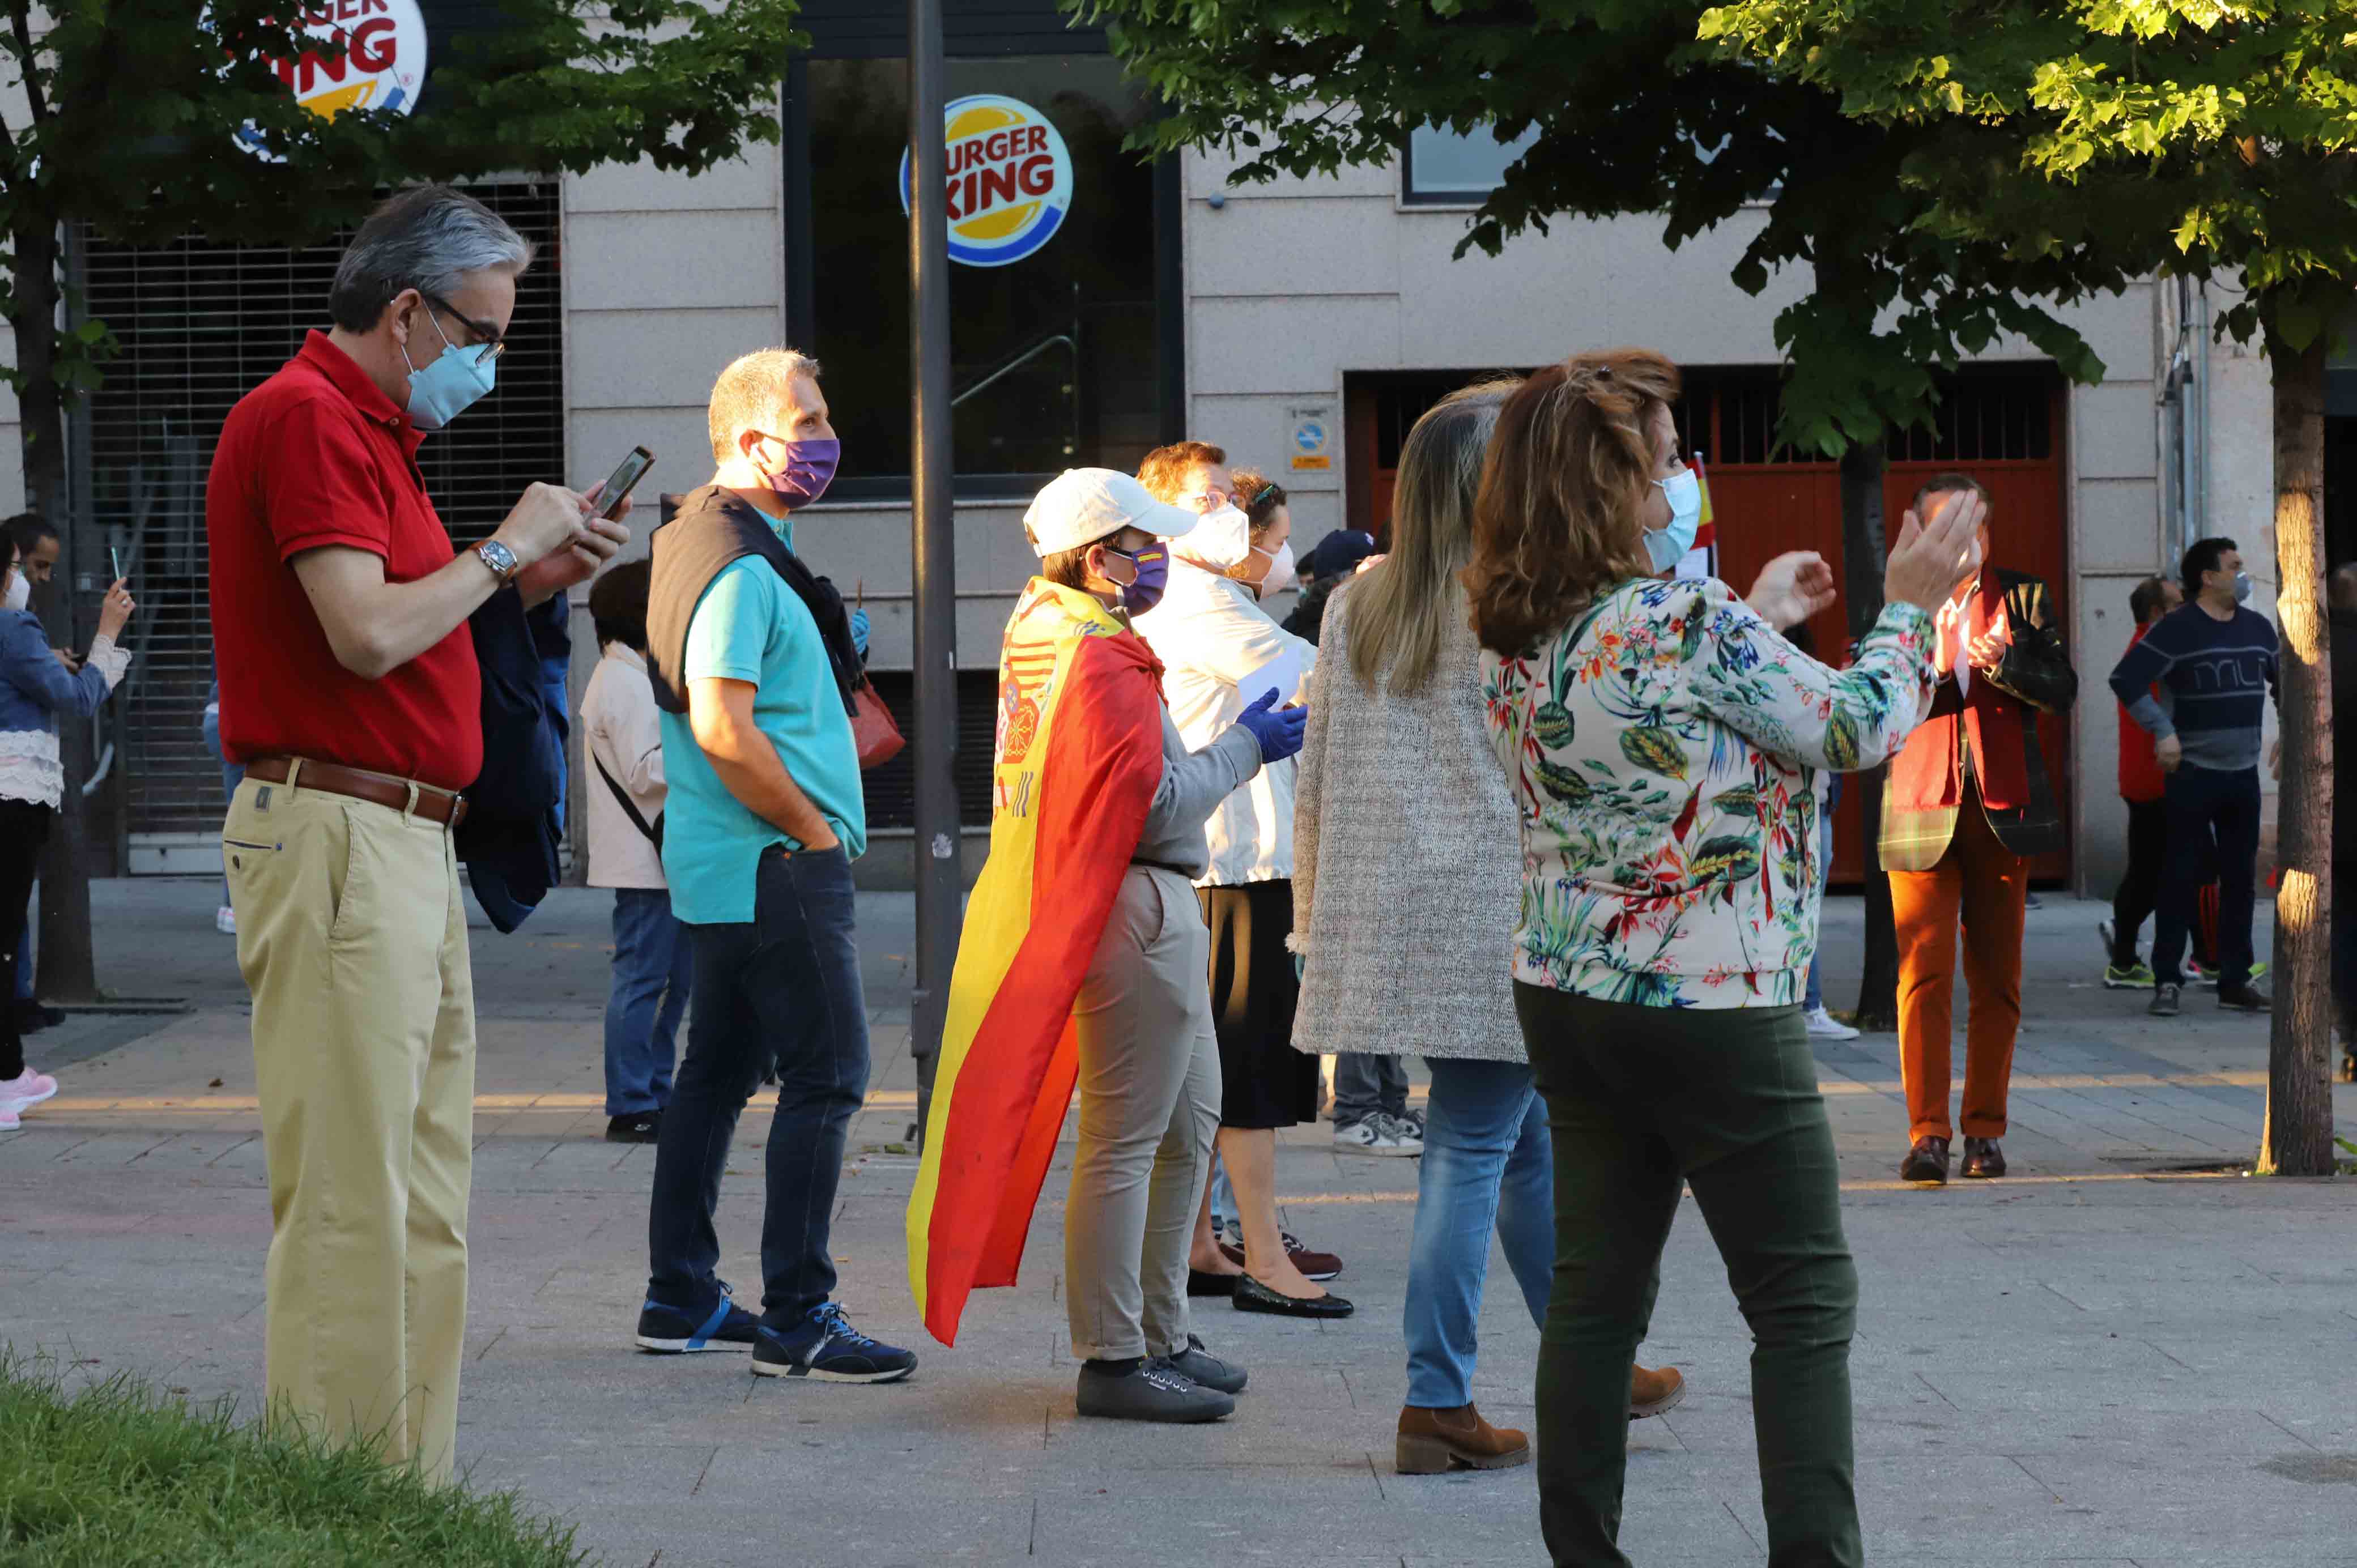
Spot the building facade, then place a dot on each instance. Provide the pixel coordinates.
(1101, 305)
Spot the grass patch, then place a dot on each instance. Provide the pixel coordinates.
(117, 1474)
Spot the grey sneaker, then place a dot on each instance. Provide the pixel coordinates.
(1406, 1132)
(1373, 1135)
(2164, 1001)
(1201, 1366)
(1155, 1392)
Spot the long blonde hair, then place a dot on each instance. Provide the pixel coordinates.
(1400, 609)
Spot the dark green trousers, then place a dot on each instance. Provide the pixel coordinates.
(1641, 1100)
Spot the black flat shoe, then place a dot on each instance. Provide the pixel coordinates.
(1253, 1297)
(1200, 1283)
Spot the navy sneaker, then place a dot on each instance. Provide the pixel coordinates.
(824, 1345)
(674, 1331)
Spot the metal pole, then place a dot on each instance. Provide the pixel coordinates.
(931, 542)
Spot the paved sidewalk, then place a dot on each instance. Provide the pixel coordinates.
(2116, 1355)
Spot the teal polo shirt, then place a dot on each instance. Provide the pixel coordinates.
(749, 626)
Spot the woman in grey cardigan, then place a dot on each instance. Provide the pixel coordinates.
(1407, 873)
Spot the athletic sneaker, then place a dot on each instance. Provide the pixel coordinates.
(674, 1330)
(1825, 1026)
(1377, 1134)
(27, 1090)
(1155, 1392)
(1408, 1130)
(1201, 1366)
(2197, 975)
(2259, 970)
(825, 1345)
(2164, 1001)
(2138, 976)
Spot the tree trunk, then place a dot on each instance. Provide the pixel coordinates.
(1862, 556)
(2299, 1136)
(67, 971)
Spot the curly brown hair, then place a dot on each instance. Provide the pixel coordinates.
(1257, 496)
(1556, 519)
(1165, 467)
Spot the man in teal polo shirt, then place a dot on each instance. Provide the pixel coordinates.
(752, 665)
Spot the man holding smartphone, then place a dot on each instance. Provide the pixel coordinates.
(351, 693)
(752, 664)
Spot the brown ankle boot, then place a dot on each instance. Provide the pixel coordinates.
(1432, 1442)
(1653, 1393)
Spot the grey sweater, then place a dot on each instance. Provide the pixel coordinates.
(1193, 784)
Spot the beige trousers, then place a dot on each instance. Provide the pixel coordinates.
(353, 938)
(1149, 1080)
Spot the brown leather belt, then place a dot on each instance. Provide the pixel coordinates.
(444, 808)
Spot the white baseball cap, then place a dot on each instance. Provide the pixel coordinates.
(1080, 506)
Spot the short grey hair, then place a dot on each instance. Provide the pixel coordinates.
(752, 393)
(427, 239)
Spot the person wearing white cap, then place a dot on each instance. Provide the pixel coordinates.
(1095, 789)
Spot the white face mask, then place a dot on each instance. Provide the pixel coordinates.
(1284, 571)
(1222, 540)
(20, 589)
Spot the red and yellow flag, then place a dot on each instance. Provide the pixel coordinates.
(1079, 757)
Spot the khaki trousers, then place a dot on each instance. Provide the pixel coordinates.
(1149, 1080)
(353, 938)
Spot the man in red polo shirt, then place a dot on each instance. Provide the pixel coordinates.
(349, 690)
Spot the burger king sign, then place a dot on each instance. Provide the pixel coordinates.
(377, 60)
(1009, 179)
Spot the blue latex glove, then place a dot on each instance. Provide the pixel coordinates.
(1278, 731)
(1300, 967)
(859, 633)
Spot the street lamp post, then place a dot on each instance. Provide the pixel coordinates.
(932, 545)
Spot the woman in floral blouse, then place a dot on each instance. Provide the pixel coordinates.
(1664, 741)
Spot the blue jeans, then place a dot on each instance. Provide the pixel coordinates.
(782, 987)
(653, 971)
(1364, 1084)
(1487, 1163)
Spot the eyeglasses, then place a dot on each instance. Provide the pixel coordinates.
(491, 343)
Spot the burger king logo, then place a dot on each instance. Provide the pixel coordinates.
(1009, 179)
(376, 59)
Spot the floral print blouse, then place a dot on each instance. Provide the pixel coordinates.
(1665, 747)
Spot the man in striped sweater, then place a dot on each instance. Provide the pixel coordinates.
(2214, 661)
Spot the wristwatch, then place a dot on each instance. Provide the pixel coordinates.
(499, 559)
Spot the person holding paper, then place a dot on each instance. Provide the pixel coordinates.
(1222, 651)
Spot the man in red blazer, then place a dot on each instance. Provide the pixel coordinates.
(1966, 805)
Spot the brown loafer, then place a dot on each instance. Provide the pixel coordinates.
(1434, 1442)
(1654, 1393)
(1926, 1162)
(1983, 1158)
(1316, 1267)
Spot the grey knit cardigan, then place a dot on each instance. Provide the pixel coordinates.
(1407, 862)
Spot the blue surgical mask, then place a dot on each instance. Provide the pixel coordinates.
(1666, 547)
(444, 390)
(2241, 587)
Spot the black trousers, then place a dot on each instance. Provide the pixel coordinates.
(2138, 895)
(2213, 818)
(24, 828)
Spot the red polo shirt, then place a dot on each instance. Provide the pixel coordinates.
(318, 456)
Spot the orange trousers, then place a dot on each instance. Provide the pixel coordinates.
(1978, 887)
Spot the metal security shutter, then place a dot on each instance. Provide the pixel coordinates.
(891, 789)
(201, 324)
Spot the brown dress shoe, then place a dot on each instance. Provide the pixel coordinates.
(1926, 1162)
(1982, 1157)
(1654, 1393)
(1434, 1442)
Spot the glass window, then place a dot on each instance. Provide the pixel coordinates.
(1447, 167)
(1052, 317)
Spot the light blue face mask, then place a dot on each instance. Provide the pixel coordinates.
(1666, 547)
(444, 389)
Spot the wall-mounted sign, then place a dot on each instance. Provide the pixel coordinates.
(1309, 434)
(1009, 180)
(382, 64)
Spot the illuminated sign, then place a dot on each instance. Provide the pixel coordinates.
(1009, 179)
(382, 64)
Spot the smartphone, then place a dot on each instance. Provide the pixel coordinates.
(624, 480)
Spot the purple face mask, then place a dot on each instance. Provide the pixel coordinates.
(1153, 564)
(810, 469)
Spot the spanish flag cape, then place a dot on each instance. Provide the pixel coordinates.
(1079, 759)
